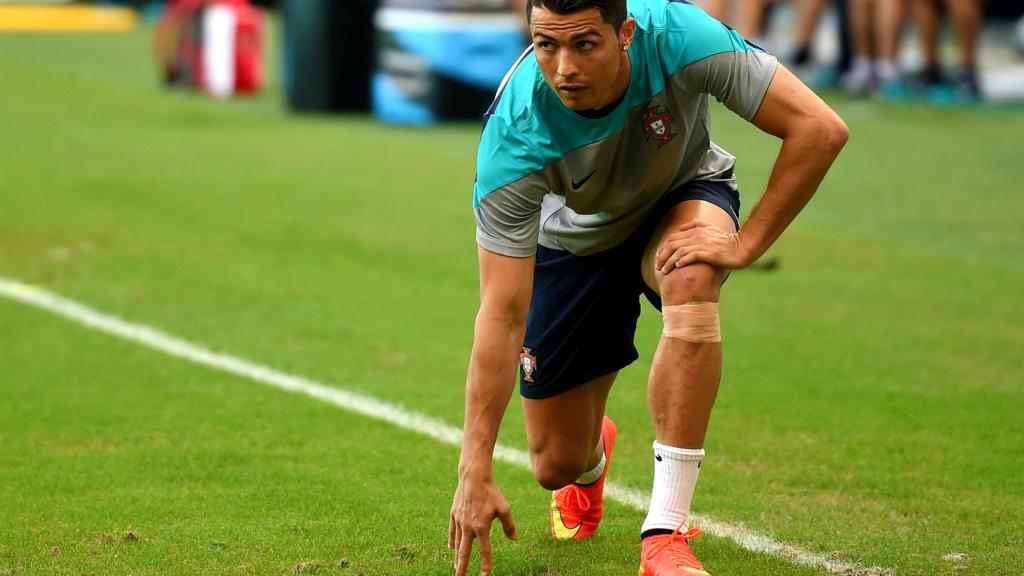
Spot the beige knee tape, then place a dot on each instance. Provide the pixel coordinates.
(693, 322)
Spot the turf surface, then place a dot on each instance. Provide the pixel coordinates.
(871, 404)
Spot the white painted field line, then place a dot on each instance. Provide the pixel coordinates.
(380, 410)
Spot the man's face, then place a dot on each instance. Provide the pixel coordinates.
(581, 56)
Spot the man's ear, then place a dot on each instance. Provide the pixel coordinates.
(626, 31)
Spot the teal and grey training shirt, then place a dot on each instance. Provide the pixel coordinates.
(547, 174)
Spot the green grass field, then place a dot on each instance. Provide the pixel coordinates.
(873, 393)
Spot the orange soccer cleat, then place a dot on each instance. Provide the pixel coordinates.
(576, 510)
(670, 555)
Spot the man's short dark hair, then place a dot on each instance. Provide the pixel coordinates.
(612, 11)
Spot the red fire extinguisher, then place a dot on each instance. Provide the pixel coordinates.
(212, 45)
(249, 49)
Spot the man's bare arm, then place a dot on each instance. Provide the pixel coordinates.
(812, 136)
(506, 286)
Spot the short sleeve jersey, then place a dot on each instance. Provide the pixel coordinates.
(548, 175)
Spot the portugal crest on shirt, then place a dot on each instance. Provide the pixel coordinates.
(529, 363)
(658, 125)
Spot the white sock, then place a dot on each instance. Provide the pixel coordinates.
(594, 474)
(860, 65)
(675, 477)
(886, 70)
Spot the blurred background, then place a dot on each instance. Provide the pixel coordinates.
(422, 61)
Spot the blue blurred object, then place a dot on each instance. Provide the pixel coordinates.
(151, 11)
(435, 64)
(942, 94)
(894, 91)
(827, 78)
(1018, 36)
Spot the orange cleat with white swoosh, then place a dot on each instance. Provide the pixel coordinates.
(576, 510)
(670, 555)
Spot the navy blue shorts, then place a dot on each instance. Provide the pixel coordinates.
(584, 309)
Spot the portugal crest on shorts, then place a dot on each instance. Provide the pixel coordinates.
(658, 125)
(529, 363)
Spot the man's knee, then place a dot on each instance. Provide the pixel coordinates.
(694, 283)
(555, 469)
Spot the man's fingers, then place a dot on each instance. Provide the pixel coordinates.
(671, 262)
(710, 247)
(485, 553)
(692, 233)
(667, 251)
(458, 537)
(684, 256)
(465, 551)
(508, 525)
(691, 258)
(691, 225)
(672, 245)
(451, 531)
(668, 265)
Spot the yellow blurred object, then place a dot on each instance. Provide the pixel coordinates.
(67, 19)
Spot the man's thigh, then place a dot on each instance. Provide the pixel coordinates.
(679, 215)
(567, 426)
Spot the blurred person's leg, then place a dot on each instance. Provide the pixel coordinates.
(859, 79)
(717, 9)
(889, 18)
(845, 40)
(519, 7)
(751, 20)
(966, 16)
(829, 76)
(926, 15)
(808, 12)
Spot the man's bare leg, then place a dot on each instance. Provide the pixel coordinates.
(684, 376)
(571, 443)
(564, 432)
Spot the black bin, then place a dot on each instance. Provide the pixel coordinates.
(328, 54)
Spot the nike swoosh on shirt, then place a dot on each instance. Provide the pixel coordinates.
(576, 184)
